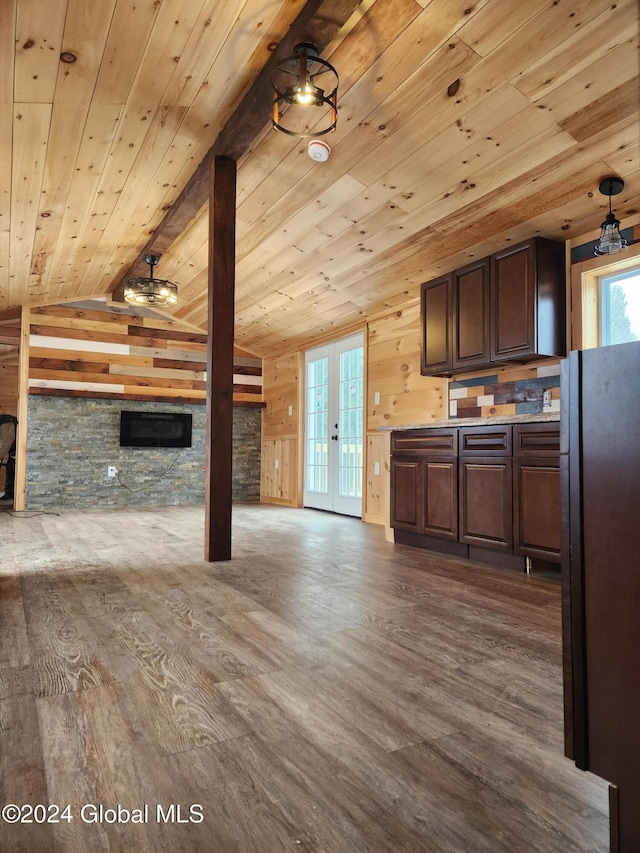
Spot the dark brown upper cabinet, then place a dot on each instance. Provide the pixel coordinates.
(509, 306)
(528, 299)
(436, 311)
(471, 323)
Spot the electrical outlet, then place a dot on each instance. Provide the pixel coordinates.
(546, 399)
(112, 471)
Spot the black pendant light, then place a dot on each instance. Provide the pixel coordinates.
(151, 291)
(304, 88)
(611, 242)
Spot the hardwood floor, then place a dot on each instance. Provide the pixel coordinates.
(323, 691)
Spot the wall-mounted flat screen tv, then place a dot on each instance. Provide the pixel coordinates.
(155, 429)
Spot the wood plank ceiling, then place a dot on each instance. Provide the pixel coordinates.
(462, 126)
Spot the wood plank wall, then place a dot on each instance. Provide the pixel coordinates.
(406, 397)
(281, 431)
(82, 352)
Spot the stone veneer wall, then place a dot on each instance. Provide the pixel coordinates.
(72, 440)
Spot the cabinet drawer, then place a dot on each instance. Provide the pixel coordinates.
(431, 442)
(536, 439)
(485, 441)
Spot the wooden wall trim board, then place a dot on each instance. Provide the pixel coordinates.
(129, 395)
(23, 398)
(10, 315)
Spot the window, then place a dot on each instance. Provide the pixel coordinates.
(620, 307)
(605, 300)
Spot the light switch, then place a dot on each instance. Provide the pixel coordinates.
(290, 411)
(376, 398)
(276, 464)
(376, 468)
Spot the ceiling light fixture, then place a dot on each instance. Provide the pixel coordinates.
(295, 84)
(151, 291)
(611, 242)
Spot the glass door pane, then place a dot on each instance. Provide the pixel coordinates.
(350, 418)
(317, 426)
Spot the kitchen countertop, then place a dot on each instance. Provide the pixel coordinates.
(541, 417)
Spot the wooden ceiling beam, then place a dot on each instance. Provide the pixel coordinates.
(318, 22)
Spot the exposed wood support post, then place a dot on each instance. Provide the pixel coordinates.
(23, 401)
(222, 255)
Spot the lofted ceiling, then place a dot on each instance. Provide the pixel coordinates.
(462, 126)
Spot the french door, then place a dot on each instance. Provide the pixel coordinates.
(334, 421)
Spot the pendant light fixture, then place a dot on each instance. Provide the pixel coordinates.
(611, 242)
(151, 291)
(296, 83)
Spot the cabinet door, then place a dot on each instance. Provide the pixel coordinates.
(440, 498)
(536, 495)
(436, 313)
(471, 340)
(406, 493)
(485, 496)
(513, 284)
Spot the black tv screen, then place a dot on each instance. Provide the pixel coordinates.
(155, 429)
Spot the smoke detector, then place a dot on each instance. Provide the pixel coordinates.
(318, 150)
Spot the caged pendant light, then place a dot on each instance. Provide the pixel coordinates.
(151, 291)
(611, 241)
(296, 86)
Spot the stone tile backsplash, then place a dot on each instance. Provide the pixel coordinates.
(511, 391)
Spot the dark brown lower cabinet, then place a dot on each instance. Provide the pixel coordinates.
(536, 497)
(406, 489)
(486, 509)
(492, 492)
(536, 491)
(440, 498)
